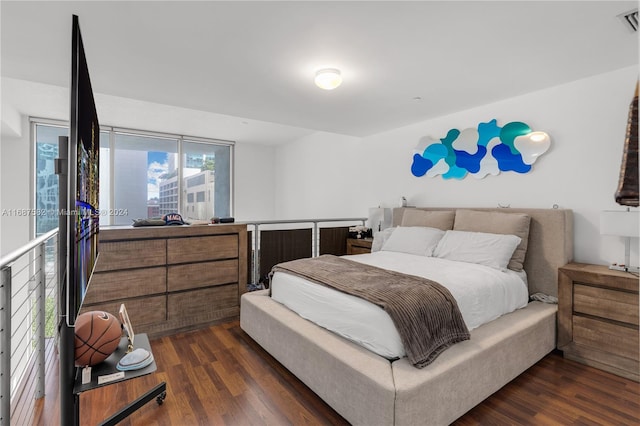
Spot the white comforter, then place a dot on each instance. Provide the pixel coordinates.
(483, 294)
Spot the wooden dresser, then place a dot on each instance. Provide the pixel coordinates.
(598, 318)
(171, 279)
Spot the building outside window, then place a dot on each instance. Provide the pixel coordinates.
(46, 181)
(207, 168)
(142, 167)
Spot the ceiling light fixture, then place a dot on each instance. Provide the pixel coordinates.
(328, 78)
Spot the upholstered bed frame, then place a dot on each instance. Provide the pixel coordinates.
(367, 389)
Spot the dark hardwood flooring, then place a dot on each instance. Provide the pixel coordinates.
(220, 376)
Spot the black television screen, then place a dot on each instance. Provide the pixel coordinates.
(83, 180)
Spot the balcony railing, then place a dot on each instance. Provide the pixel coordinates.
(259, 255)
(28, 315)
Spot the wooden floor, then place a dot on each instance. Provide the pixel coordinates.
(220, 376)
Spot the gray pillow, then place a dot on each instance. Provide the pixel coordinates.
(433, 219)
(498, 223)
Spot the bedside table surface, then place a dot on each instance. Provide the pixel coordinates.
(602, 275)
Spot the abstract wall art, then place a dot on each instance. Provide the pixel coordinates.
(486, 150)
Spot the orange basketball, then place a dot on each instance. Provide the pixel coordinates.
(98, 335)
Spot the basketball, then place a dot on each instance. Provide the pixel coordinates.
(98, 335)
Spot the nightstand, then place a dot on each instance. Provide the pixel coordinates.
(359, 245)
(598, 318)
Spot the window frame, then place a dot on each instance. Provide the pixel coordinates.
(112, 130)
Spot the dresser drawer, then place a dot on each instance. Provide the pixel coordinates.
(199, 249)
(183, 277)
(131, 254)
(124, 284)
(190, 304)
(142, 311)
(615, 305)
(614, 338)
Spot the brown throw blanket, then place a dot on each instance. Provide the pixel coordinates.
(424, 312)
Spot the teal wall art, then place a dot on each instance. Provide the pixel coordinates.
(486, 150)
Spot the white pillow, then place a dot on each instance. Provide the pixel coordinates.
(380, 237)
(494, 250)
(413, 240)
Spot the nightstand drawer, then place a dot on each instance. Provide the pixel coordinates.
(605, 303)
(359, 245)
(360, 250)
(617, 339)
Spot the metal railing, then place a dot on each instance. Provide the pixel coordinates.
(315, 240)
(28, 313)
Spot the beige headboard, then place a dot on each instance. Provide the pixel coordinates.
(550, 244)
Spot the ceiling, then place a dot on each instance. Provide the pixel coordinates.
(402, 62)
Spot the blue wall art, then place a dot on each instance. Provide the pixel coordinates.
(485, 150)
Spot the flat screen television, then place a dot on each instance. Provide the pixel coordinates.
(83, 186)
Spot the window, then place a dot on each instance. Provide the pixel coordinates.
(104, 203)
(141, 175)
(207, 168)
(46, 181)
(145, 175)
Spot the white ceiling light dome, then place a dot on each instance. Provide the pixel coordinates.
(328, 78)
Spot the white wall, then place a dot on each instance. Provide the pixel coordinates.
(15, 172)
(312, 177)
(254, 182)
(332, 175)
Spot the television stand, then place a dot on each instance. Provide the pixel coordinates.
(108, 366)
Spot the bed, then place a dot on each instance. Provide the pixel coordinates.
(367, 388)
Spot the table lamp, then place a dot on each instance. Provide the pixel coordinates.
(623, 224)
(379, 218)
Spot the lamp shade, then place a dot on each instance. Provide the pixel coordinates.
(621, 223)
(379, 218)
